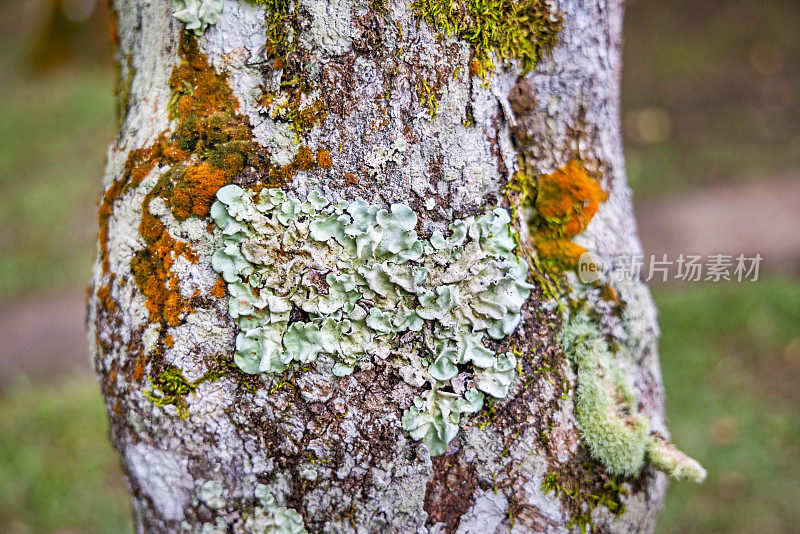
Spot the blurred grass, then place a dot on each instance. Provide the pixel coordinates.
(58, 472)
(55, 126)
(730, 355)
(53, 135)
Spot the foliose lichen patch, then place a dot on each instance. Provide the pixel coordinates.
(269, 517)
(197, 15)
(354, 280)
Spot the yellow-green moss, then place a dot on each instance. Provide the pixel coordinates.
(170, 387)
(523, 31)
(584, 487)
(124, 82)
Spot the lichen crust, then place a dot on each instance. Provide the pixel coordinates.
(355, 281)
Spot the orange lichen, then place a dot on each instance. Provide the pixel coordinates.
(304, 160)
(324, 159)
(169, 342)
(138, 371)
(211, 145)
(152, 272)
(563, 204)
(194, 193)
(568, 198)
(475, 67)
(106, 301)
(559, 251)
(218, 289)
(198, 90)
(138, 164)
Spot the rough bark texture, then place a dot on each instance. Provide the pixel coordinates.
(236, 430)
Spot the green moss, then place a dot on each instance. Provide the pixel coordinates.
(522, 31)
(124, 83)
(170, 387)
(607, 410)
(428, 97)
(289, 107)
(582, 489)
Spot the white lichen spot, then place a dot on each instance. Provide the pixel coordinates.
(150, 338)
(163, 477)
(488, 512)
(280, 141)
(381, 156)
(307, 472)
(331, 28)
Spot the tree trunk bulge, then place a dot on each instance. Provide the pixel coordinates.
(335, 286)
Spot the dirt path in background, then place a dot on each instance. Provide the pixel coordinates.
(759, 217)
(46, 336)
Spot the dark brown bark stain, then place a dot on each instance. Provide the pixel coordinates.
(451, 491)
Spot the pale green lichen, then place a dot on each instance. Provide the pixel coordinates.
(219, 526)
(270, 518)
(381, 156)
(211, 494)
(197, 15)
(613, 430)
(364, 279)
(435, 419)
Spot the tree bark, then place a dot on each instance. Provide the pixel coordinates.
(196, 434)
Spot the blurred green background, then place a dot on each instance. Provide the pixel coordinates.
(711, 102)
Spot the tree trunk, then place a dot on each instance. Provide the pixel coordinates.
(272, 360)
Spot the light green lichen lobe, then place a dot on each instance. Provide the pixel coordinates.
(197, 15)
(270, 518)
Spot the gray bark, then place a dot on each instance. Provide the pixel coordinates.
(370, 475)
